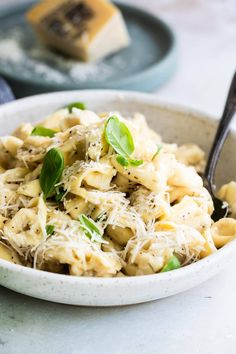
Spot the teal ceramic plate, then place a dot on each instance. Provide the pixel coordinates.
(146, 64)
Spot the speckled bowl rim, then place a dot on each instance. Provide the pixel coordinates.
(167, 64)
(211, 260)
(128, 280)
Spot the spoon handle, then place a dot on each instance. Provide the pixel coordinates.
(222, 132)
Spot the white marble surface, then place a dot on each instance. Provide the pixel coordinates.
(202, 320)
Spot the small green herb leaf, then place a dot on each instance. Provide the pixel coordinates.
(79, 105)
(90, 228)
(159, 147)
(172, 264)
(41, 131)
(49, 229)
(122, 160)
(136, 162)
(53, 165)
(119, 137)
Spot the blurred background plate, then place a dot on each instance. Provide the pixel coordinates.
(145, 65)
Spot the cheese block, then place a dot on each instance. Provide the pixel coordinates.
(85, 29)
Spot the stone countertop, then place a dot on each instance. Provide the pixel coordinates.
(198, 321)
(201, 320)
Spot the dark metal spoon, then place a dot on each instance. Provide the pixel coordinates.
(223, 129)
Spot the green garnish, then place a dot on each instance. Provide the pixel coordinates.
(53, 165)
(79, 105)
(41, 131)
(119, 137)
(159, 147)
(49, 229)
(172, 264)
(59, 195)
(136, 162)
(122, 160)
(90, 228)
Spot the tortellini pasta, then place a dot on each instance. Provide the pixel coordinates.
(228, 194)
(123, 204)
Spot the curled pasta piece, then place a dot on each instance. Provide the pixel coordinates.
(81, 142)
(145, 261)
(27, 228)
(93, 174)
(145, 139)
(110, 245)
(190, 211)
(3, 220)
(123, 184)
(8, 254)
(23, 229)
(148, 254)
(32, 175)
(184, 176)
(69, 245)
(140, 124)
(119, 234)
(13, 177)
(191, 155)
(76, 117)
(33, 149)
(209, 245)
(9, 202)
(228, 193)
(53, 120)
(184, 238)
(85, 116)
(9, 183)
(30, 189)
(102, 264)
(68, 122)
(11, 144)
(149, 205)
(223, 231)
(76, 206)
(8, 149)
(97, 146)
(199, 194)
(23, 131)
(146, 174)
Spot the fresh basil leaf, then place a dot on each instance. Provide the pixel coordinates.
(172, 264)
(49, 229)
(79, 105)
(59, 195)
(159, 147)
(119, 137)
(122, 160)
(136, 162)
(53, 165)
(41, 131)
(90, 228)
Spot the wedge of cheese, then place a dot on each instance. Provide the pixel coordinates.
(85, 29)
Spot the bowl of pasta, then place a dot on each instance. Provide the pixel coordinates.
(102, 201)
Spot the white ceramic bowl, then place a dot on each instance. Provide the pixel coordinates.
(179, 125)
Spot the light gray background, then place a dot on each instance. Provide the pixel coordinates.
(202, 320)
